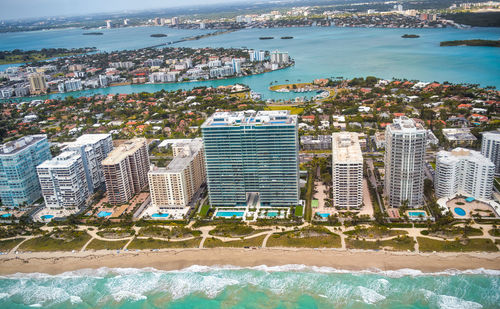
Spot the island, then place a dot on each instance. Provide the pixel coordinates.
(474, 42)
(410, 36)
(21, 56)
(266, 38)
(158, 35)
(287, 37)
(92, 33)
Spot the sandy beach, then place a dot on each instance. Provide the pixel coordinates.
(59, 262)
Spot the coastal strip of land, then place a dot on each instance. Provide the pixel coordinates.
(487, 43)
(175, 259)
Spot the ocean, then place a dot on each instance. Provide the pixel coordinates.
(320, 52)
(288, 286)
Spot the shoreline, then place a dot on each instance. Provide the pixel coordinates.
(54, 263)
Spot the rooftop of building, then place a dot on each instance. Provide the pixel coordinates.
(492, 135)
(64, 160)
(458, 134)
(346, 148)
(315, 138)
(124, 150)
(250, 117)
(459, 153)
(183, 159)
(86, 139)
(167, 142)
(405, 124)
(13, 147)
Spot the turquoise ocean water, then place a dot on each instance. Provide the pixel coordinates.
(289, 286)
(319, 52)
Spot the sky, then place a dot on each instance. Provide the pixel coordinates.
(14, 9)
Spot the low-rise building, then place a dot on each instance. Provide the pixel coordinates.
(320, 142)
(459, 136)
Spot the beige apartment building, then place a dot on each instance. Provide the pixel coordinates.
(174, 186)
(126, 170)
(347, 170)
(37, 83)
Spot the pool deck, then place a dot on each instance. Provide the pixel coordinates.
(475, 207)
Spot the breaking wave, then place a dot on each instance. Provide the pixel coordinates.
(286, 285)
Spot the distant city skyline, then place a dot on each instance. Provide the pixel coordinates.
(20, 9)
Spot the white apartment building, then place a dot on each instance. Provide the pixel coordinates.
(63, 181)
(279, 57)
(173, 187)
(93, 148)
(463, 171)
(347, 170)
(490, 148)
(405, 141)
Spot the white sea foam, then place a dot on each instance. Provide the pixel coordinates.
(75, 299)
(127, 295)
(104, 271)
(451, 302)
(369, 296)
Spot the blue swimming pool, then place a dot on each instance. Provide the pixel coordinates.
(104, 214)
(322, 215)
(459, 211)
(272, 214)
(229, 214)
(45, 217)
(159, 215)
(417, 214)
(6, 215)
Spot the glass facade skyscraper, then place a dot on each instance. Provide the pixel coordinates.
(252, 153)
(19, 183)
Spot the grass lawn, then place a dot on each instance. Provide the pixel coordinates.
(232, 230)
(495, 232)
(375, 232)
(150, 243)
(204, 210)
(290, 86)
(97, 244)
(294, 110)
(402, 244)
(299, 211)
(174, 232)
(69, 241)
(476, 244)
(313, 237)
(252, 242)
(7, 245)
(455, 232)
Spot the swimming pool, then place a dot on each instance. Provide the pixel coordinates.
(159, 215)
(459, 211)
(229, 214)
(6, 215)
(104, 214)
(45, 217)
(272, 214)
(322, 215)
(417, 214)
